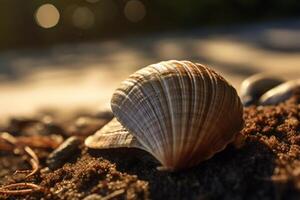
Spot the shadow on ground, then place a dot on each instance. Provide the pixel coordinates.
(228, 175)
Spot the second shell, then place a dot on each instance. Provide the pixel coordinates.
(180, 112)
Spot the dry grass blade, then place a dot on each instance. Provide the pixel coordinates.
(113, 194)
(34, 161)
(40, 141)
(8, 137)
(13, 189)
(21, 188)
(35, 141)
(25, 171)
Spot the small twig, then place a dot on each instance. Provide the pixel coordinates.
(114, 194)
(40, 141)
(36, 141)
(34, 161)
(25, 171)
(8, 137)
(30, 152)
(11, 189)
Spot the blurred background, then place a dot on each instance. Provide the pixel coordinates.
(72, 54)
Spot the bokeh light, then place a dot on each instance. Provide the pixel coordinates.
(83, 18)
(134, 10)
(47, 16)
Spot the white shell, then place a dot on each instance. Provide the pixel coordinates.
(112, 135)
(180, 112)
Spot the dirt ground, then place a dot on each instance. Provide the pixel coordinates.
(267, 166)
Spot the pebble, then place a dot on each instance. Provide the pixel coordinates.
(253, 87)
(62, 153)
(280, 93)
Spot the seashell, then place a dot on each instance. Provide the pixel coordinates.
(112, 135)
(280, 93)
(180, 112)
(253, 87)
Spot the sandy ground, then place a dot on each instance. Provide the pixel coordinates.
(76, 76)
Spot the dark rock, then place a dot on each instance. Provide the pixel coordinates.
(61, 154)
(280, 93)
(253, 87)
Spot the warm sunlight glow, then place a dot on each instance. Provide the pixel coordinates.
(47, 16)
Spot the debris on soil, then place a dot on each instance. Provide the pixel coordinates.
(278, 129)
(19, 189)
(266, 166)
(93, 176)
(34, 141)
(61, 154)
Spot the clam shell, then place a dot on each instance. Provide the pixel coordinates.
(112, 135)
(255, 86)
(280, 93)
(180, 112)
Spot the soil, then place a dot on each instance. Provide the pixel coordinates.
(266, 166)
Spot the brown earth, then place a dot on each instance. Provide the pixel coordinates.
(267, 166)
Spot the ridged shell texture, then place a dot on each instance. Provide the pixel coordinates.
(180, 112)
